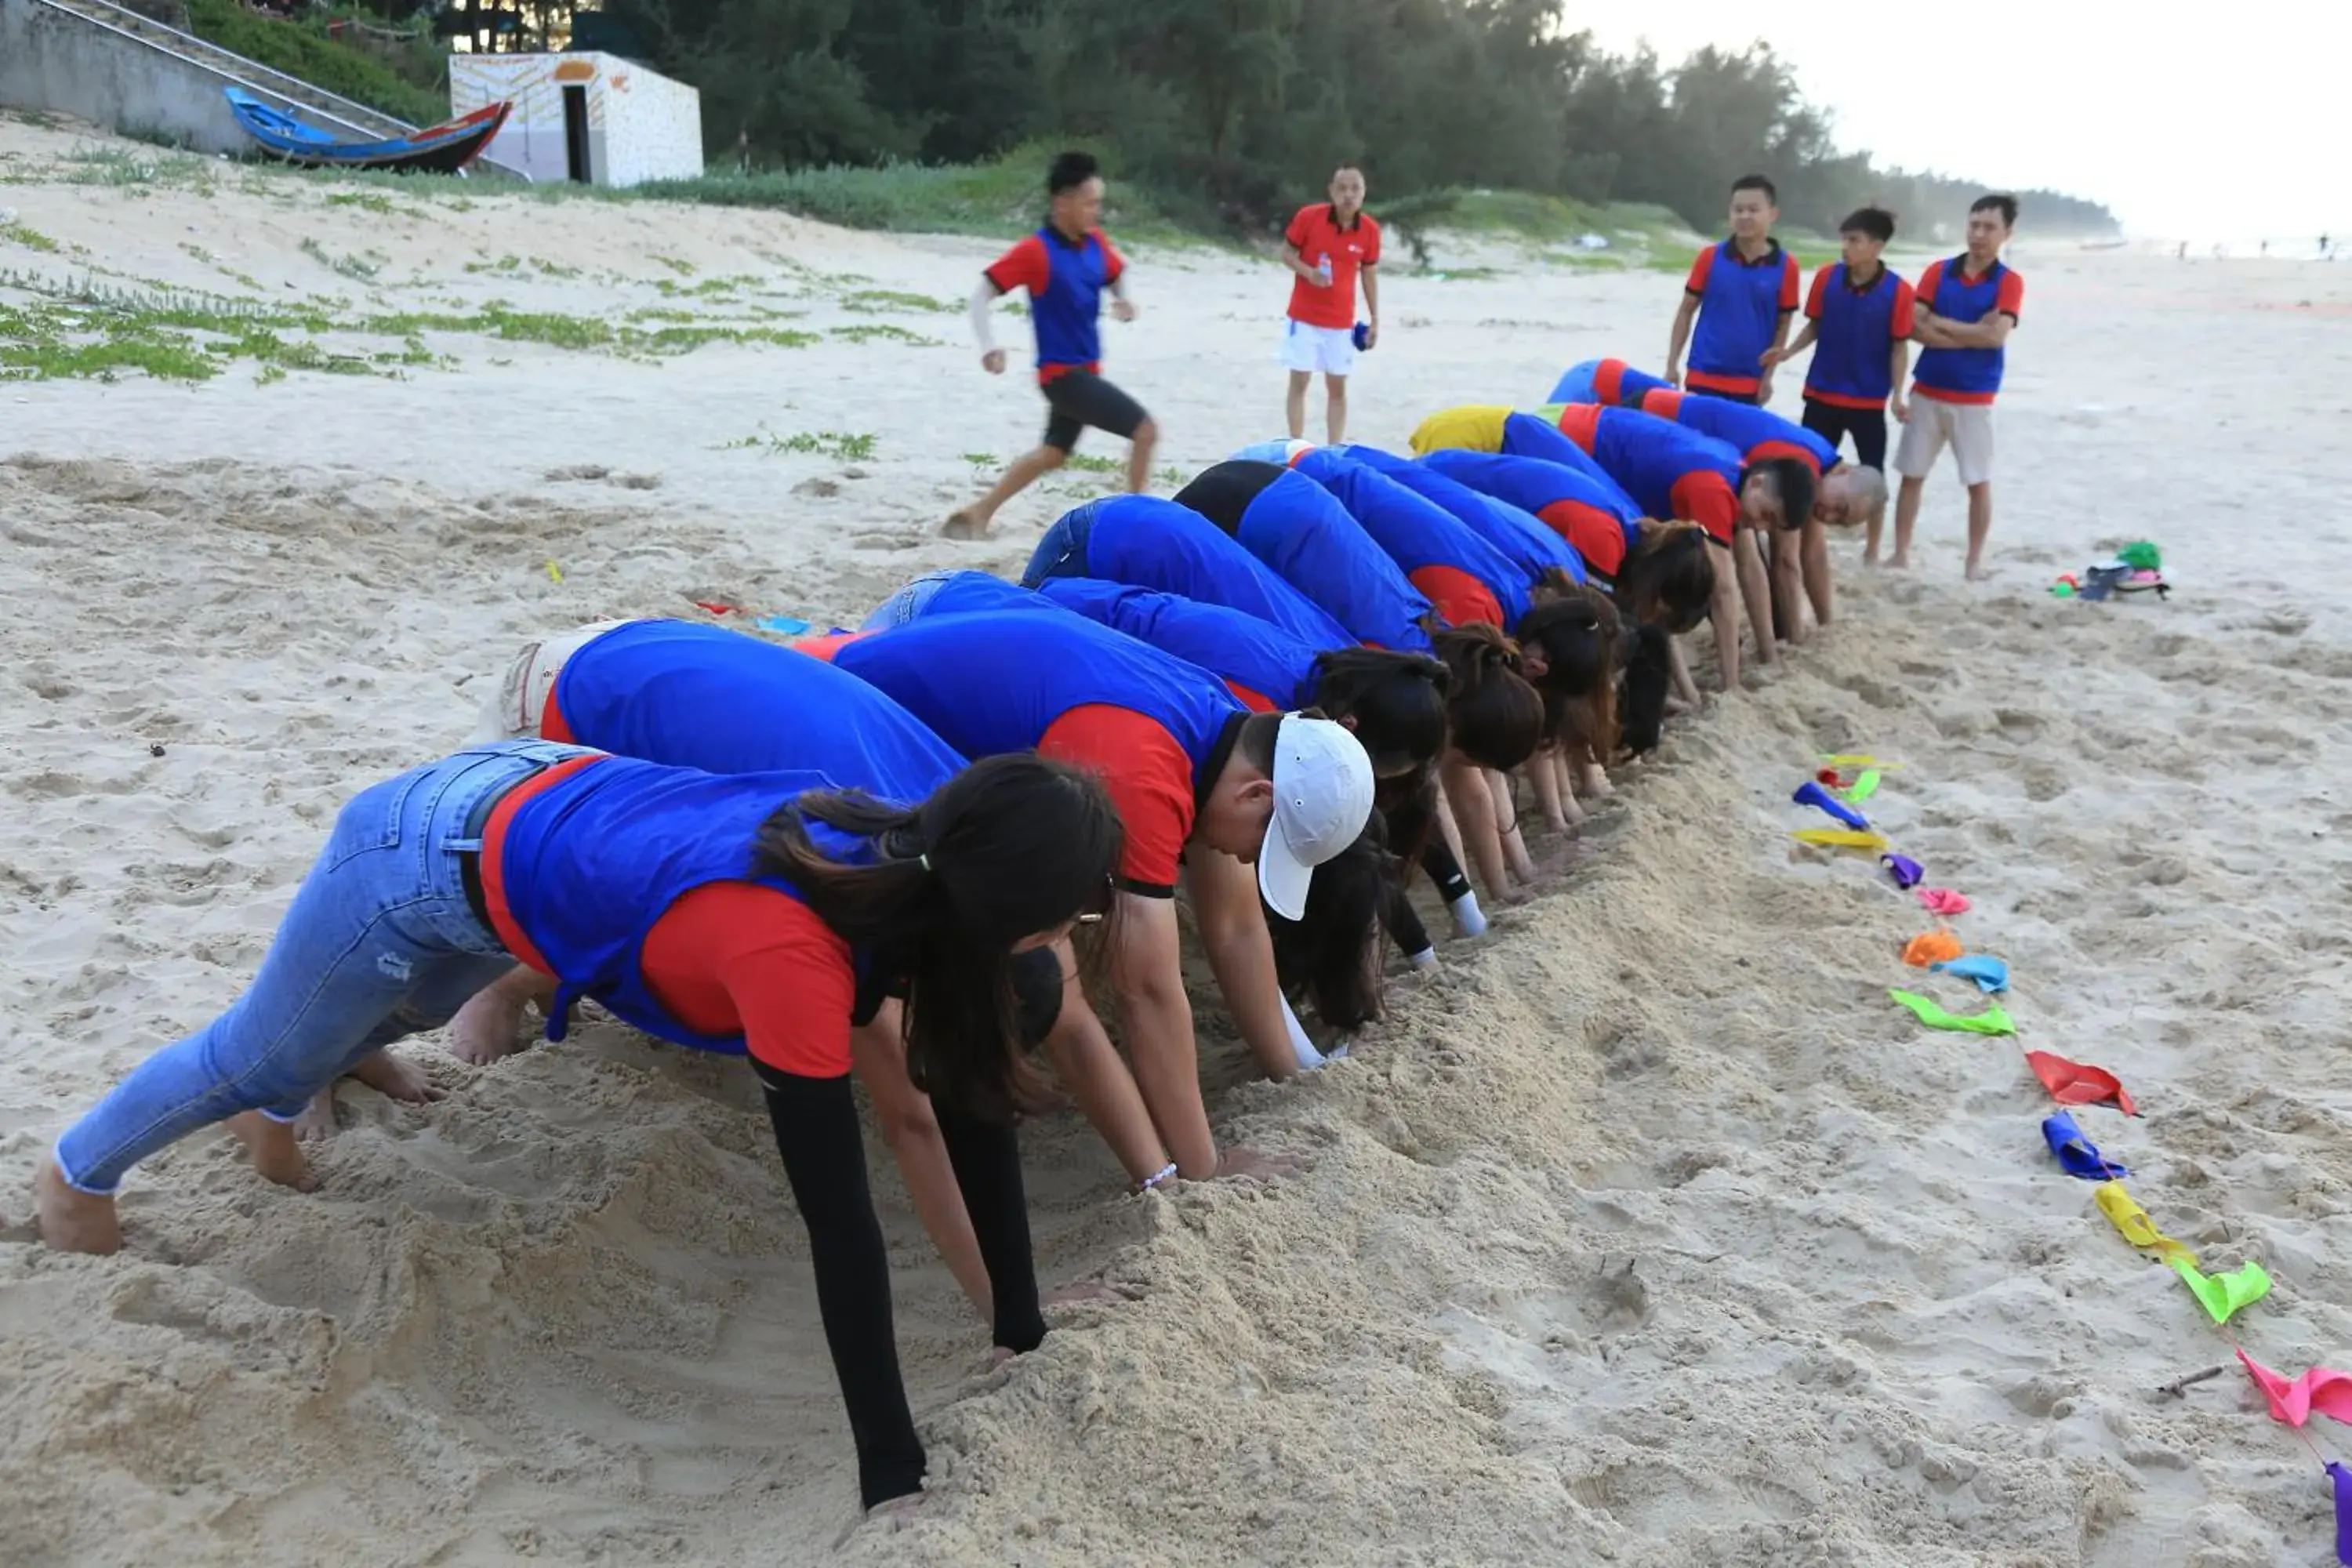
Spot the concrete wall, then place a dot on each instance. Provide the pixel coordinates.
(641, 126)
(653, 126)
(54, 59)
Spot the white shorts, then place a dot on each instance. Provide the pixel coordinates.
(1966, 427)
(519, 703)
(1331, 349)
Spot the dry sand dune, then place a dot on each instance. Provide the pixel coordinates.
(1649, 1233)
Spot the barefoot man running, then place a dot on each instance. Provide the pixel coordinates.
(1065, 266)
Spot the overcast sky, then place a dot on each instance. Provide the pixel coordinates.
(2213, 121)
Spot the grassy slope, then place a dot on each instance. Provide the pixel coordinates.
(303, 49)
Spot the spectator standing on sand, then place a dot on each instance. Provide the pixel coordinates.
(1741, 294)
(1328, 244)
(1065, 266)
(1966, 308)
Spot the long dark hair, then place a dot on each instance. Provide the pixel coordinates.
(1578, 632)
(1667, 579)
(1397, 701)
(1649, 674)
(1332, 956)
(1496, 717)
(1011, 847)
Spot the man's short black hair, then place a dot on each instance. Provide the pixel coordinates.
(1757, 182)
(1070, 171)
(1875, 222)
(1793, 480)
(2000, 202)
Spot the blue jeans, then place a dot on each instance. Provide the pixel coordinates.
(907, 602)
(1063, 551)
(380, 943)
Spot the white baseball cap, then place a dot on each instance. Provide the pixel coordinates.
(1322, 798)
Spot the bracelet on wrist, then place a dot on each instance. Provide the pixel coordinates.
(1160, 1178)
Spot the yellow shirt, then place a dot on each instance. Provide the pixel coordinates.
(1474, 427)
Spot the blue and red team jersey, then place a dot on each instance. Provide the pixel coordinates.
(1669, 472)
(1266, 667)
(1538, 436)
(1066, 279)
(1522, 537)
(1148, 724)
(590, 867)
(1610, 381)
(1965, 376)
(1303, 532)
(1594, 518)
(1465, 577)
(1147, 541)
(1758, 435)
(1855, 334)
(692, 696)
(1740, 303)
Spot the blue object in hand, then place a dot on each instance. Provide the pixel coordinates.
(2077, 1155)
(1361, 337)
(1812, 793)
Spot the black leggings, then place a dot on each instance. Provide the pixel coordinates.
(1397, 911)
(1223, 493)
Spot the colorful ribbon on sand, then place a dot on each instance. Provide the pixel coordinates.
(2123, 1211)
(1944, 901)
(1932, 1013)
(2072, 1083)
(2223, 1294)
(1990, 974)
(2321, 1391)
(2076, 1154)
(1839, 838)
(1931, 948)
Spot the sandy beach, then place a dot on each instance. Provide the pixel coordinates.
(1648, 1233)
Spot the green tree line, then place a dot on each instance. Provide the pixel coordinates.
(1233, 109)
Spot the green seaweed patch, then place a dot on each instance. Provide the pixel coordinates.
(846, 445)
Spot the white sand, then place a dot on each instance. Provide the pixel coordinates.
(1652, 1234)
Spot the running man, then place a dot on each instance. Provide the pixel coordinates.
(1065, 266)
(1330, 243)
(1967, 309)
(1742, 294)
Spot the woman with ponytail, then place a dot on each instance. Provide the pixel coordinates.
(737, 913)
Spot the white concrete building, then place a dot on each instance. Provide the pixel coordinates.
(593, 118)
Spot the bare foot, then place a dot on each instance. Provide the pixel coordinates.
(965, 524)
(72, 1221)
(489, 1027)
(276, 1153)
(1593, 780)
(1870, 558)
(1898, 563)
(317, 1118)
(1977, 573)
(398, 1078)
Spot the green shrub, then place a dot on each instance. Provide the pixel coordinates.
(303, 51)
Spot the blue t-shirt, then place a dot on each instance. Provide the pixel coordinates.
(1416, 533)
(1235, 646)
(1514, 531)
(1758, 435)
(1148, 542)
(692, 696)
(1066, 279)
(1301, 530)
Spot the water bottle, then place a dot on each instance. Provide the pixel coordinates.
(1323, 270)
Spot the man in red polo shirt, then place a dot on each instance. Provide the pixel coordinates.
(1329, 245)
(1742, 294)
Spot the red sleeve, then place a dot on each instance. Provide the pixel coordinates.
(1707, 498)
(737, 958)
(1905, 310)
(1113, 262)
(1149, 778)
(1026, 266)
(1930, 281)
(1814, 298)
(1372, 241)
(1703, 264)
(1299, 232)
(2011, 297)
(1789, 276)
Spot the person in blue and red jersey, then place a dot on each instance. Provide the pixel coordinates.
(1150, 543)
(1327, 248)
(1189, 767)
(1609, 381)
(690, 695)
(1659, 575)
(727, 913)
(1065, 266)
(1670, 472)
(1967, 309)
(1305, 535)
(1478, 428)
(1742, 293)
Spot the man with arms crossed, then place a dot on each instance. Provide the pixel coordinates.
(1967, 307)
(1328, 245)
